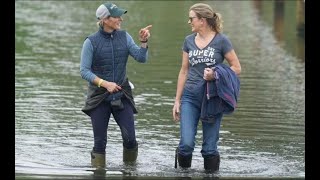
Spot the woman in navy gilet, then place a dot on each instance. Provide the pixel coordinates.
(103, 64)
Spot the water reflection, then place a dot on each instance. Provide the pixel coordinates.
(263, 138)
(288, 21)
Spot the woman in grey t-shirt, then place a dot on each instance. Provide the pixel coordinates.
(201, 52)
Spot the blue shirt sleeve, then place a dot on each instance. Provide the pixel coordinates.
(86, 61)
(138, 53)
(226, 45)
(185, 46)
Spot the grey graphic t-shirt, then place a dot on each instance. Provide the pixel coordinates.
(209, 56)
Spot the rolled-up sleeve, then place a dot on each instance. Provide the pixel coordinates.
(138, 53)
(86, 61)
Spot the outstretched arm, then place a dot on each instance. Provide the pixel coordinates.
(144, 35)
(139, 53)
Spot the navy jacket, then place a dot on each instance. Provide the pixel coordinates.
(221, 94)
(110, 58)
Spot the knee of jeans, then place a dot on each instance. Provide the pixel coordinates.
(125, 134)
(187, 142)
(100, 145)
(186, 149)
(100, 140)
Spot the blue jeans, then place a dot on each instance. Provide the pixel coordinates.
(124, 118)
(190, 110)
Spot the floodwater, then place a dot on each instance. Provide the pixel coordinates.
(264, 137)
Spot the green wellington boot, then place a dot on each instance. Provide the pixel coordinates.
(130, 155)
(98, 160)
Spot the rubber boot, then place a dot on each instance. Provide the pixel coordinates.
(184, 161)
(98, 160)
(130, 155)
(211, 164)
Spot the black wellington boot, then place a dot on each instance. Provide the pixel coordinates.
(211, 164)
(184, 161)
(130, 155)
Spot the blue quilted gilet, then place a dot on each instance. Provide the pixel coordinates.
(110, 55)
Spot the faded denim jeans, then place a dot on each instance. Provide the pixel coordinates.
(190, 110)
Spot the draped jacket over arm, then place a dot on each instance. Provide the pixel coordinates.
(221, 94)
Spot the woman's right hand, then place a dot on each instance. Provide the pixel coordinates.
(111, 87)
(176, 111)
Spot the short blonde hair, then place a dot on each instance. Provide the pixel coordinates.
(214, 19)
(100, 22)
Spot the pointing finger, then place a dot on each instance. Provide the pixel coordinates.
(147, 28)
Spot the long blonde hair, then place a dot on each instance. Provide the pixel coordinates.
(214, 19)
